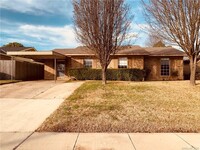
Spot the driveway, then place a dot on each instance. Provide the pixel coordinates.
(25, 105)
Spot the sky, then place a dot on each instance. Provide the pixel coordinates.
(47, 24)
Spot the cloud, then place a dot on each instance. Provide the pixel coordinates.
(41, 29)
(140, 30)
(39, 7)
(40, 36)
(60, 36)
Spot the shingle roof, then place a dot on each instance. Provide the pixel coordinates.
(81, 50)
(128, 50)
(164, 51)
(133, 50)
(10, 49)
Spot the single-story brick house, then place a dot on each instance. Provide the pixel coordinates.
(4, 50)
(160, 63)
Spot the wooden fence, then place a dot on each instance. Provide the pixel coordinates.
(21, 70)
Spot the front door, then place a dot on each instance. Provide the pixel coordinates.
(60, 68)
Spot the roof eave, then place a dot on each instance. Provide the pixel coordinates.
(167, 55)
(111, 55)
(36, 54)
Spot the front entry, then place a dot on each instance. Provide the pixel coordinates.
(60, 69)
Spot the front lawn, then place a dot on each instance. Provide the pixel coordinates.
(129, 107)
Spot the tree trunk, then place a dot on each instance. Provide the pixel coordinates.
(104, 75)
(193, 63)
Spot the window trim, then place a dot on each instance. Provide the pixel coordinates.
(84, 62)
(161, 67)
(119, 62)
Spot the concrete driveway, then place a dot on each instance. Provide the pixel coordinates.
(25, 105)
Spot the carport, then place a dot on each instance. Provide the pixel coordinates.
(18, 68)
(51, 60)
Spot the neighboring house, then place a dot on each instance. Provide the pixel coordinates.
(4, 50)
(160, 63)
(187, 68)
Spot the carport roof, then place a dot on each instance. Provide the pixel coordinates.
(37, 55)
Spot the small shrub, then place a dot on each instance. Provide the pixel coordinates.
(112, 74)
(174, 73)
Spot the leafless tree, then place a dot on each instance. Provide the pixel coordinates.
(102, 26)
(177, 21)
(153, 39)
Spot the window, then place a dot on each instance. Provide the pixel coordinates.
(88, 63)
(164, 66)
(123, 62)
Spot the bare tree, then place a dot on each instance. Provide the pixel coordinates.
(102, 26)
(13, 44)
(177, 21)
(153, 39)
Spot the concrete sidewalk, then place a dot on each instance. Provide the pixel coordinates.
(100, 141)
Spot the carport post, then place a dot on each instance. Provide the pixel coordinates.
(11, 71)
(55, 70)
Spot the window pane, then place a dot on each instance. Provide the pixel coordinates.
(123, 62)
(165, 67)
(88, 63)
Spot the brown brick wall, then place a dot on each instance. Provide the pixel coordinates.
(96, 64)
(49, 69)
(114, 63)
(133, 62)
(136, 62)
(152, 66)
(77, 62)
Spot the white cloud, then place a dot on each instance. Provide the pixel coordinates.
(140, 30)
(60, 36)
(139, 26)
(38, 7)
(24, 41)
(43, 37)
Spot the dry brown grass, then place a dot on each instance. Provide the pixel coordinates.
(129, 107)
